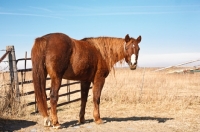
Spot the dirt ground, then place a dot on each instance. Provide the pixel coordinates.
(117, 117)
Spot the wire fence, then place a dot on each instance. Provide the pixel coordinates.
(3, 63)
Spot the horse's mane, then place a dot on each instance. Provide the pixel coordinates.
(111, 49)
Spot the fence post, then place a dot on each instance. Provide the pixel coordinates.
(13, 71)
(68, 90)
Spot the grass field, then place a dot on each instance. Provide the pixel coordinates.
(127, 93)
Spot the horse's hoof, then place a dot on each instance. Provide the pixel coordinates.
(57, 126)
(98, 122)
(81, 121)
(47, 122)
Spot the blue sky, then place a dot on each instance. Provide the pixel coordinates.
(170, 29)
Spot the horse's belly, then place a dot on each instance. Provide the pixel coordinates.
(83, 74)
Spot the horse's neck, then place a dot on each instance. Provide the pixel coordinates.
(112, 49)
(117, 46)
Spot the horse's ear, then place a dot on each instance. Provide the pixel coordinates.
(139, 39)
(127, 38)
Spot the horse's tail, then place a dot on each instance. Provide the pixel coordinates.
(39, 74)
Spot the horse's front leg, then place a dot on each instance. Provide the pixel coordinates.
(55, 86)
(85, 86)
(97, 88)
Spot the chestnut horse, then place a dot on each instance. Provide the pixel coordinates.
(88, 60)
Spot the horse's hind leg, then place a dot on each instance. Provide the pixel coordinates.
(55, 86)
(97, 88)
(85, 86)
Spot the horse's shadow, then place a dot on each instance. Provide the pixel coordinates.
(134, 118)
(14, 125)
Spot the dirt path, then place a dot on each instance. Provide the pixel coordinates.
(118, 118)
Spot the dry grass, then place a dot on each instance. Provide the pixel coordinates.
(9, 105)
(146, 87)
(142, 93)
(139, 87)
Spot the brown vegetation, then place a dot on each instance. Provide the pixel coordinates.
(129, 96)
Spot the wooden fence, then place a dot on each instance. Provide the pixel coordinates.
(14, 81)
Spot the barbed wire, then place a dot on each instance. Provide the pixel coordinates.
(4, 55)
(4, 61)
(4, 66)
(3, 69)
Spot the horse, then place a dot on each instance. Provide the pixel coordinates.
(88, 60)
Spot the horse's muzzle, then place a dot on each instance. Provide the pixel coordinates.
(132, 66)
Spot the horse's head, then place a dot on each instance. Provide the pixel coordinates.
(131, 48)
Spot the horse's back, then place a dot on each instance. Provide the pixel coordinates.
(71, 59)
